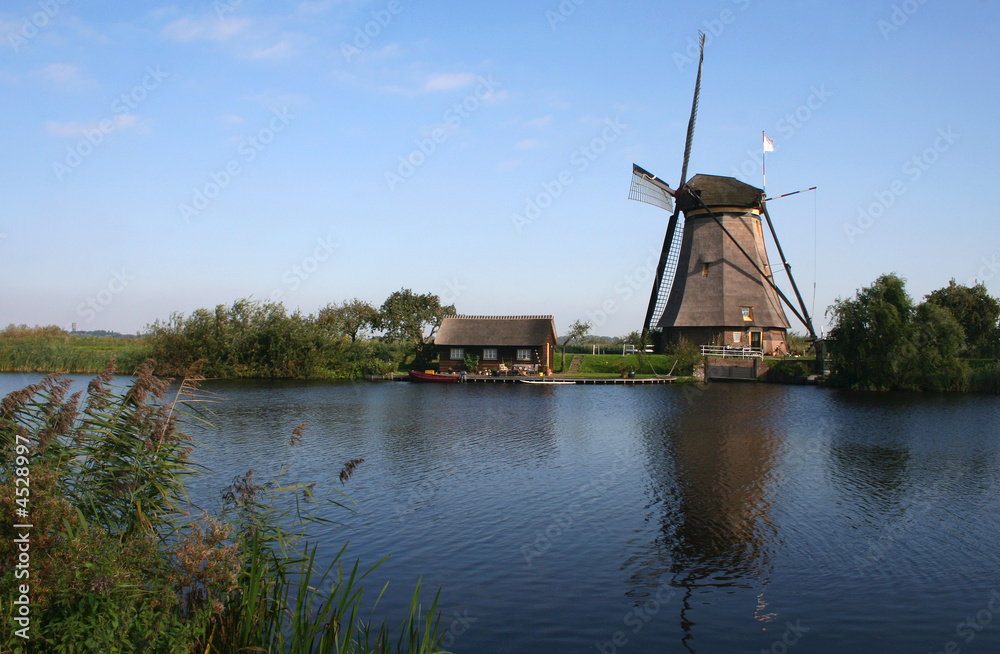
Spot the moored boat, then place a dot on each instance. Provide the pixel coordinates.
(432, 377)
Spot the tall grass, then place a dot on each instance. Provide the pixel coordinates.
(64, 352)
(118, 564)
(985, 378)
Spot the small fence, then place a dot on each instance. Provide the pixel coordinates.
(731, 352)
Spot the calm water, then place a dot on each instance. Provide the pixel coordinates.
(734, 518)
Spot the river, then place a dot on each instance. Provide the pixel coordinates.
(720, 518)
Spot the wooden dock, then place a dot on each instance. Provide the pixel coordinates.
(514, 379)
(576, 380)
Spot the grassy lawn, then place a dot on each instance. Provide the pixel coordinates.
(612, 365)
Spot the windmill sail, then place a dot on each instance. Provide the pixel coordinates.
(648, 188)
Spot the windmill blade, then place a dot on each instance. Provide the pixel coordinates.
(661, 291)
(694, 111)
(648, 188)
(666, 269)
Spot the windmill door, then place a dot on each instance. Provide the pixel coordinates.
(755, 340)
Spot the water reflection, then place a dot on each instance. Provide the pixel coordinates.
(711, 455)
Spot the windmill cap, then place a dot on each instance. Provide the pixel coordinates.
(719, 191)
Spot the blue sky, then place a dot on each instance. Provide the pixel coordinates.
(166, 157)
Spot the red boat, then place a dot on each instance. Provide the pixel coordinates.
(432, 377)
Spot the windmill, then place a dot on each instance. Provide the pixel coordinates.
(714, 284)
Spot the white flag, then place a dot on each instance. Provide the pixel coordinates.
(768, 144)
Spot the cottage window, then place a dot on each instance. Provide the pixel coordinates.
(523, 354)
(457, 353)
(747, 314)
(490, 353)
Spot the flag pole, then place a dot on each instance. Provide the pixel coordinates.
(763, 157)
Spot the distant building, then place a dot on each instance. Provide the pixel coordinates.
(517, 342)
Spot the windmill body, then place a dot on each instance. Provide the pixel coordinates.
(722, 290)
(714, 284)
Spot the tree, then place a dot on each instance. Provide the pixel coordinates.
(869, 333)
(413, 319)
(576, 331)
(977, 312)
(880, 341)
(933, 362)
(351, 318)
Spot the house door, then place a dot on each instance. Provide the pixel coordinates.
(755, 340)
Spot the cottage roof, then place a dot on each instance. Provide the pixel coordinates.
(495, 330)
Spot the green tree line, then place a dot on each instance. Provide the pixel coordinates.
(882, 340)
(261, 339)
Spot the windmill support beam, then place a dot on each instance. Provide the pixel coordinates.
(788, 270)
(753, 263)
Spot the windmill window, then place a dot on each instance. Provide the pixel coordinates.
(747, 313)
(704, 269)
(457, 353)
(490, 353)
(737, 337)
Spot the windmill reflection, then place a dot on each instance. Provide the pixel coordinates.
(711, 463)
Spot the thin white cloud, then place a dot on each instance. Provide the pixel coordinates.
(314, 6)
(542, 121)
(280, 50)
(508, 165)
(448, 81)
(208, 28)
(232, 119)
(65, 75)
(77, 129)
(528, 144)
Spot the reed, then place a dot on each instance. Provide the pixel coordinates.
(985, 378)
(119, 563)
(41, 351)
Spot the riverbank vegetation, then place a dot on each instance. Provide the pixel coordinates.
(882, 340)
(261, 339)
(117, 560)
(52, 349)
